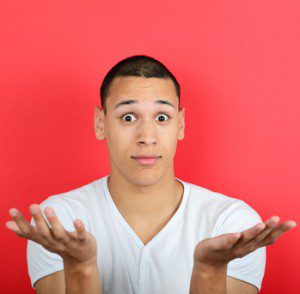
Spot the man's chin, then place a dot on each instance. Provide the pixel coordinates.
(144, 178)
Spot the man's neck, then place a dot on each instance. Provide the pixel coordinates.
(146, 202)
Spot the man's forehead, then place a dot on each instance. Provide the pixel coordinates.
(137, 102)
(140, 90)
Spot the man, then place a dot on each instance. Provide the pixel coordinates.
(141, 229)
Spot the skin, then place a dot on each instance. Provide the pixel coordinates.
(147, 196)
(79, 245)
(141, 192)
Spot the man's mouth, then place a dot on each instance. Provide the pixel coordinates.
(146, 160)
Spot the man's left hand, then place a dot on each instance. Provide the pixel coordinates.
(216, 252)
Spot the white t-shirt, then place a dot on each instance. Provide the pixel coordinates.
(164, 265)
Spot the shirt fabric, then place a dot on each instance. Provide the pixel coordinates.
(164, 265)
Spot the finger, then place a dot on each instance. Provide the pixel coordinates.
(14, 227)
(40, 222)
(21, 222)
(270, 239)
(270, 225)
(57, 230)
(81, 233)
(278, 231)
(249, 234)
(255, 242)
(224, 241)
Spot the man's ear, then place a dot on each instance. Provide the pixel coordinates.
(181, 117)
(99, 123)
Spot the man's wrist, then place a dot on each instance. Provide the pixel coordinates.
(208, 279)
(80, 268)
(209, 269)
(82, 277)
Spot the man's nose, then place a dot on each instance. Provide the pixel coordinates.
(147, 133)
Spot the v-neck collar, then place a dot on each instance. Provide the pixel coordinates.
(172, 222)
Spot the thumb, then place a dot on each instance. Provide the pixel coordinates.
(225, 241)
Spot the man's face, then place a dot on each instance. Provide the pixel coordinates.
(141, 128)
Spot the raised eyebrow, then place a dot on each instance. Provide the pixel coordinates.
(132, 101)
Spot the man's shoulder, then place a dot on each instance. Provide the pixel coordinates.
(208, 196)
(214, 202)
(219, 212)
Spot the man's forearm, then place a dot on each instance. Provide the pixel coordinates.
(82, 278)
(206, 280)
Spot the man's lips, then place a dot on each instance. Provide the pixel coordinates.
(146, 160)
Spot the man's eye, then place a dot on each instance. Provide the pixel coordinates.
(161, 116)
(127, 117)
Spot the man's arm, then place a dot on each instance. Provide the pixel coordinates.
(216, 281)
(53, 283)
(235, 286)
(70, 280)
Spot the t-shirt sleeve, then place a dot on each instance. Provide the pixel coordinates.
(40, 261)
(251, 267)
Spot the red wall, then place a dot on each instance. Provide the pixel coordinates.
(238, 64)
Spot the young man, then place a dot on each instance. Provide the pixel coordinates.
(141, 229)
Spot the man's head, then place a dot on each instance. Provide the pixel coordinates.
(136, 66)
(141, 116)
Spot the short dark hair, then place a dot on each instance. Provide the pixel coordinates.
(137, 66)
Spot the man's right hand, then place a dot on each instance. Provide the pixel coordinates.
(77, 247)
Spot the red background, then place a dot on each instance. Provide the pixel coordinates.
(238, 65)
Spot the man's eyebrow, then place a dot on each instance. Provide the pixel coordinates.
(131, 101)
